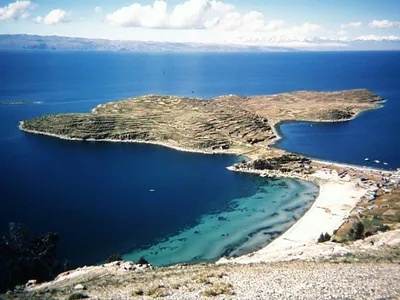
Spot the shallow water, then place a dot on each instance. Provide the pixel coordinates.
(246, 224)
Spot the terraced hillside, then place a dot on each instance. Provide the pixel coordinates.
(232, 124)
(307, 105)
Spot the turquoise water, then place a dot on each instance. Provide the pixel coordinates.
(245, 225)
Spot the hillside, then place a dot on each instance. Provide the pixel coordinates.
(227, 124)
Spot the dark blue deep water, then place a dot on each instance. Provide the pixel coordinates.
(97, 195)
(374, 134)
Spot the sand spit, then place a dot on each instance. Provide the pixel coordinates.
(332, 206)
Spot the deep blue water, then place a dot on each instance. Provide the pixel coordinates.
(374, 134)
(97, 195)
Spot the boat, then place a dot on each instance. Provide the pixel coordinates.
(385, 163)
(152, 190)
(366, 159)
(263, 175)
(377, 161)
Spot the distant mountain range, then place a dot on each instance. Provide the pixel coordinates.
(244, 44)
(36, 42)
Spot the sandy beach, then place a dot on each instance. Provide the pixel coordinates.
(335, 201)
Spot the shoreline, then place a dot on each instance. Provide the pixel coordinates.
(300, 241)
(162, 144)
(280, 136)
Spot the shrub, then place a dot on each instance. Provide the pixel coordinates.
(24, 256)
(383, 228)
(76, 296)
(218, 289)
(324, 238)
(368, 233)
(142, 261)
(138, 292)
(327, 237)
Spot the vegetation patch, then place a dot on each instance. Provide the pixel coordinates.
(218, 289)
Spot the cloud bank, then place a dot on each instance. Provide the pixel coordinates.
(372, 37)
(191, 14)
(15, 11)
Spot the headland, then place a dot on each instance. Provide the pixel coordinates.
(226, 124)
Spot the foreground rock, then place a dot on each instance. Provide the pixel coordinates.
(363, 273)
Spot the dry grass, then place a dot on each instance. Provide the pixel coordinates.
(218, 289)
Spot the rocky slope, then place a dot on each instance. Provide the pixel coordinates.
(370, 275)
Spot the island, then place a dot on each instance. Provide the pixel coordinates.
(226, 124)
(19, 102)
(355, 217)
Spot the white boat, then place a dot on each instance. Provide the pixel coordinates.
(377, 161)
(366, 159)
(263, 175)
(385, 163)
(152, 190)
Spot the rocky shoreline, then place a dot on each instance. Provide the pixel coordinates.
(136, 141)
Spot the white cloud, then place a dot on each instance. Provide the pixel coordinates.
(16, 10)
(136, 15)
(384, 24)
(351, 25)
(305, 29)
(189, 14)
(375, 38)
(56, 16)
(192, 14)
(342, 32)
(98, 9)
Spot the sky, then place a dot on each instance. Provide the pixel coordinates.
(298, 23)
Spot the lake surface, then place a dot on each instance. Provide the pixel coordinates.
(374, 134)
(171, 206)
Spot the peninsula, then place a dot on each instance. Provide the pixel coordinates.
(226, 124)
(355, 217)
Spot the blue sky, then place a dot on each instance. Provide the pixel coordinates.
(259, 22)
